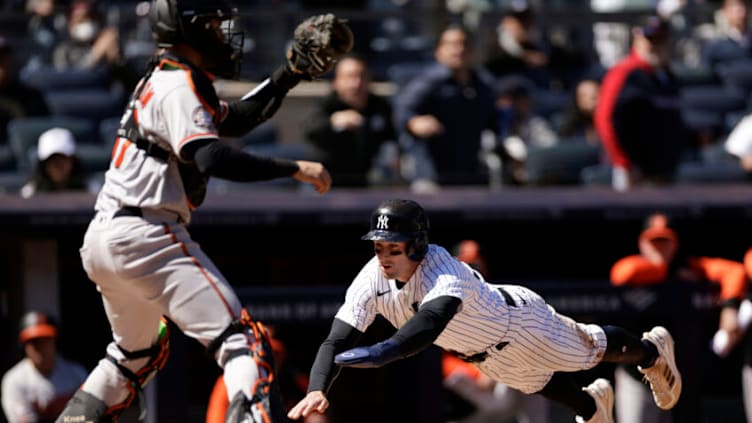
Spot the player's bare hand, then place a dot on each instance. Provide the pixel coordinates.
(314, 173)
(346, 119)
(425, 126)
(314, 402)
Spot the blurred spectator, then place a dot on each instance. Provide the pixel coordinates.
(351, 126)
(442, 113)
(733, 40)
(46, 28)
(57, 168)
(638, 116)
(37, 388)
(661, 261)
(469, 251)
(739, 143)
(577, 118)
(292, 383)
(744, 320)
(518, 50)
(520, 129)
(17, 100)
(89, 44)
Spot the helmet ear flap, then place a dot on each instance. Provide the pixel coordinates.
(418, 246)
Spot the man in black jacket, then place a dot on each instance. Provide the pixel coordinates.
(350, 126)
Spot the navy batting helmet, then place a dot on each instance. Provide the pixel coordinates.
(189, 22)
(401, 221)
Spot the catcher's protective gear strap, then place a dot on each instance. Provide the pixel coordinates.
(218, 159)
(260, 104)
(151, 149)
(85, 407)
(323, 372)
(239, 325)
(422, 329)
(159, 353)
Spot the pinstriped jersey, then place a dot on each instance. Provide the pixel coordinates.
(175, 106)
(481, 321)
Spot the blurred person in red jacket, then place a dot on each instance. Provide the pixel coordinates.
(638, 116)
(659, 261)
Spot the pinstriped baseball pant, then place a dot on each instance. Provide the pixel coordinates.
(541, 342)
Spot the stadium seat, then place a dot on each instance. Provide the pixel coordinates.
(560, 164)
(50, 79)
(549, 103)
(23, 135)
(706, 107)
(12, 181)
(716, 172)
(92, 104)
(7, 159)
(736, 74)
(265, 134)
(716, 98)
(401, 73)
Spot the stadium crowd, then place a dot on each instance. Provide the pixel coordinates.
(647, 95)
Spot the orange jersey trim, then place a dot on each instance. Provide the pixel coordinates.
(188, 70)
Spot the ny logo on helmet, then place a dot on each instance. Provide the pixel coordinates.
(382, 222)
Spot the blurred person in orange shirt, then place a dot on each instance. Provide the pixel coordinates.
(660, 261)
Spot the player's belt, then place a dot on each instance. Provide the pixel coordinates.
(129, 211)
(132, 211)
(507, 297)
(479, 357)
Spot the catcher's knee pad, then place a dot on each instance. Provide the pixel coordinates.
(85, 407)
(157, 356)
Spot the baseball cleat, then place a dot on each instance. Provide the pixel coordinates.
(663, 376)
(239, 410)
(603, 394)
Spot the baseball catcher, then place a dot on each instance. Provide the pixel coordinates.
(167, 148)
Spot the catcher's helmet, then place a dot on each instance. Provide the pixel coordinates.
(398, 221)
(189, 22)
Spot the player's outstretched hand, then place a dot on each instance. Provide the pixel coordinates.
(376, 355)
(314, 173)
(314, 402)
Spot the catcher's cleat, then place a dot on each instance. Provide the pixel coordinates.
(663, 376)
(239, 410)
(603, 394)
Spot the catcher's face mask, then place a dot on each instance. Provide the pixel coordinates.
(216, 36)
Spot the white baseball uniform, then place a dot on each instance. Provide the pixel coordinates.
(525, 339)
(148, 266)
(29, 396)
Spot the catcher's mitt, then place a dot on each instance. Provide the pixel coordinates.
(317, 44)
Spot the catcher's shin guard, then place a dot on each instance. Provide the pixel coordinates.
(86, 408)
(266, 395)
